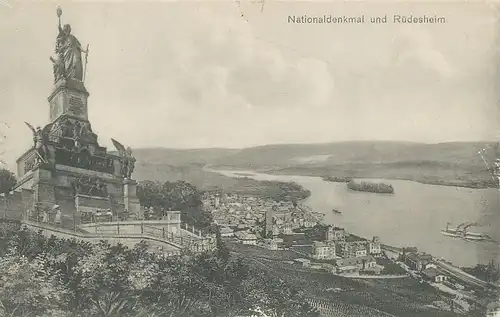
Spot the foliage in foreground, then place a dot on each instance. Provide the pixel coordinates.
(7, 180)
(55, 277)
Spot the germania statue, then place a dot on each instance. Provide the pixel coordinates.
(68, 61)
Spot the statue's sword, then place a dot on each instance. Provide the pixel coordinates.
(40, 156)
(85, 69)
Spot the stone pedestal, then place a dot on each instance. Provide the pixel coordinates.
(44, 193)
(68, 97)
(130, 199)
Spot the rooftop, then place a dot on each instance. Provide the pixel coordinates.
(431, 272)
(245, 235)
(354, 261)
(226, 230)
(419, 256)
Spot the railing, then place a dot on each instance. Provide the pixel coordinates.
(93, 237)
(193, 243)
(193, 230)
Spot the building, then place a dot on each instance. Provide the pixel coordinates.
(217, 200)
(417, 261)
(295, 239)
(273, 244)
(335, 234)
(328, 267)
(246, 237)
(353, 249)
(287, 229)
(269, 223)
(434, 275)
(353, 265)
(323, 250)
(310, 223)
(374, 247)
(226, 232)
(302, 262)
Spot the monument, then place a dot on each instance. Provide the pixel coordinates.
(66, 168)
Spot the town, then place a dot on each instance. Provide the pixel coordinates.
(258, 223)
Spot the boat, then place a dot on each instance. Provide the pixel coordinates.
(476, 236)
(461, 232)
(452, 232)
(336, 211)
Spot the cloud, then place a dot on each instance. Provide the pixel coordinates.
(415, 53)
(225, 63)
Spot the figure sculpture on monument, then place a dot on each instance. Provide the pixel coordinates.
(130, 163)
(127, 160)
(40, 140)
(68, 63)
(77, 131)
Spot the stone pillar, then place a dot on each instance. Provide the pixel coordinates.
(43, 188)
(130, 199)
(68, 97)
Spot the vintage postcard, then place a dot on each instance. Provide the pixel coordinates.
(249, 158)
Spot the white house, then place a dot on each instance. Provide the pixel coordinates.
(434, 275)
(273, 244)
(374, 246)
(322, 250)
(226, 232)
(246, 237)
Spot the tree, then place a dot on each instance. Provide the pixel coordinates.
(180, 195)
(150, 194)
(27, 290)
(222, 250)
(7, 180)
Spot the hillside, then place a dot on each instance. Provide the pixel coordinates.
(273, 156)
(206, 180)
(444, 163)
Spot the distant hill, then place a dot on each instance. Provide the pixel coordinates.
(272, 156)
(444, 162)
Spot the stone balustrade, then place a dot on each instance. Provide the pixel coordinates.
(188, 238)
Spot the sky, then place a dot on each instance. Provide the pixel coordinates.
(236, 74)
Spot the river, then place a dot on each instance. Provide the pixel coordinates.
(413, 216)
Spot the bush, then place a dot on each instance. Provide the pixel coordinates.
(56, 277)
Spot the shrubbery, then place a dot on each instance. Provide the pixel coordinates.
(55, 277)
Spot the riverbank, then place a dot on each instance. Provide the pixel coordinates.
(473, 184)
(473, 178)
(341, 179)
